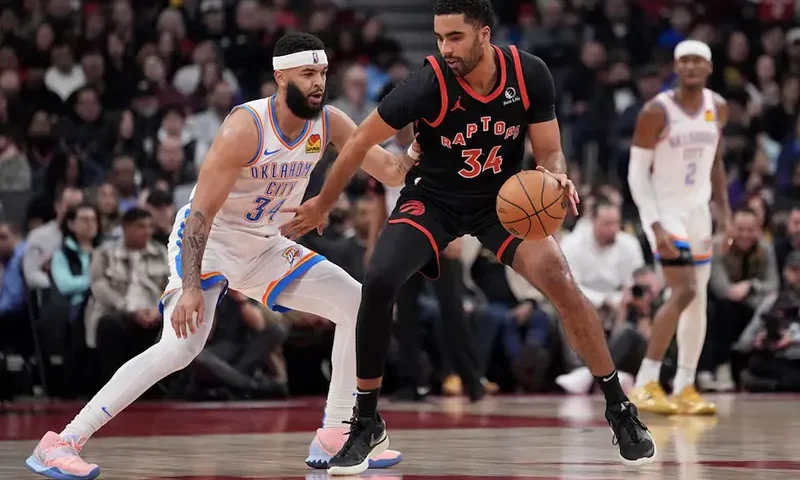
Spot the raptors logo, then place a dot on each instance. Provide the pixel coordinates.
(314, 144)
(291, 254)
(413, 207)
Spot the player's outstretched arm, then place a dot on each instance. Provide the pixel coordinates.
(388, 168)
(311, 214)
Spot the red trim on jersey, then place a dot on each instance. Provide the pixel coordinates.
(442, 92)
(523, 89)
(428, 234)
(500, 88)
(502, 249)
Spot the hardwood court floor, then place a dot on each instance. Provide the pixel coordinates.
(524, 438)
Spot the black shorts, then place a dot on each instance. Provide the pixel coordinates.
(442, 223)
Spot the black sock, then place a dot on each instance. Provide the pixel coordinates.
(367, 403)
(612, 390)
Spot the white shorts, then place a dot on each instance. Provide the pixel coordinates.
(689, 230)
(257, 266)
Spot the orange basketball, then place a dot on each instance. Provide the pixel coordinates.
(532, 205)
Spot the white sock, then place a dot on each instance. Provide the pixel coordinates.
(684, 378)
(140, 373)
(691, 332)
(328, 291)
(648, 372)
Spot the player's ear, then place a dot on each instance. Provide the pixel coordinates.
(486, 33)
(280, 78)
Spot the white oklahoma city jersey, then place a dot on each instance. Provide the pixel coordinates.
(685, 154)
(245, 248)
(276, 177)
(681, 177)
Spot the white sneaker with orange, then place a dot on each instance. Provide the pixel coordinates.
(329, 441)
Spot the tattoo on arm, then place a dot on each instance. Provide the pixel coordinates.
(193, 248)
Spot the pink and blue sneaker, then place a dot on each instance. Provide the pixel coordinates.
(329, 441)
(59, 458)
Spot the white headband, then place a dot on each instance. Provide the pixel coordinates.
(300, 59)
(693, 47)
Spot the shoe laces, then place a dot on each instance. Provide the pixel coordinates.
(72, 443)
(629, 422)
(356, 427)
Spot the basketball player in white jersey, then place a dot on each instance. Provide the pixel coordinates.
(257, 168)
(675, 170)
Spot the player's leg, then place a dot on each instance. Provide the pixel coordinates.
(328, 291)
(543, 265)
(57, 455)
(679, 275)
(692, 323)
(404, 247)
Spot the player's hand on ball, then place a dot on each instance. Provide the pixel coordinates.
(307, 216)
(183, 317)
(567, 185)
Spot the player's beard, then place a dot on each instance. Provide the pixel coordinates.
(297, 101)
(469, 62)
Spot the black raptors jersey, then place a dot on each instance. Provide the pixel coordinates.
(476, 142)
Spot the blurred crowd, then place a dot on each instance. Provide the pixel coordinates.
(107, 108)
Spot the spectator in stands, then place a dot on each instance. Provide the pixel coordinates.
(145, 109)
(123, 178)
(204, 125)
(171, 165)
(509, 310)
(93, 67)
(238, 351)
(12, 291)
(773, 337)
(187, 78)
(65, 76)
(354, 102)
(85, 129)
(124, 140)
(69, 266)
(741, 277)
(107, 203)
(128, 277)
(44, 240)
(161, 208)
(15, 171)
(791, 241)
(349, 251)
(41, 141)
(173, 124)
(121, 72)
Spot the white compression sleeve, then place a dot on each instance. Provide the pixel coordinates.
(328, 291)
(143, 371)
(641, 185)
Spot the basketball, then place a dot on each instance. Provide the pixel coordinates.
(532, 205)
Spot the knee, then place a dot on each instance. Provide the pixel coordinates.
(180, 353)
(685, 293)
(381, 285)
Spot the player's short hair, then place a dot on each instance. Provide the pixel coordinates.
(294, 42)
(477, 12)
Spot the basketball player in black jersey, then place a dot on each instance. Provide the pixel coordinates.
(472, 106)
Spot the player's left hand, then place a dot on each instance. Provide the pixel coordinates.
(566, 184)
(307, 216)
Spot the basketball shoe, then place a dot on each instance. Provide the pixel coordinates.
(636, 447)
(59, 458)
(651, 398)
(366, 440)
(329, 441)
(690, 402)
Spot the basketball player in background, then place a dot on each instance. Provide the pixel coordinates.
(677, 138)
(472, 105)
(227, 237)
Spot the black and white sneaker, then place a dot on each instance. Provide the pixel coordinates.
(636, 447)
(367, 439)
